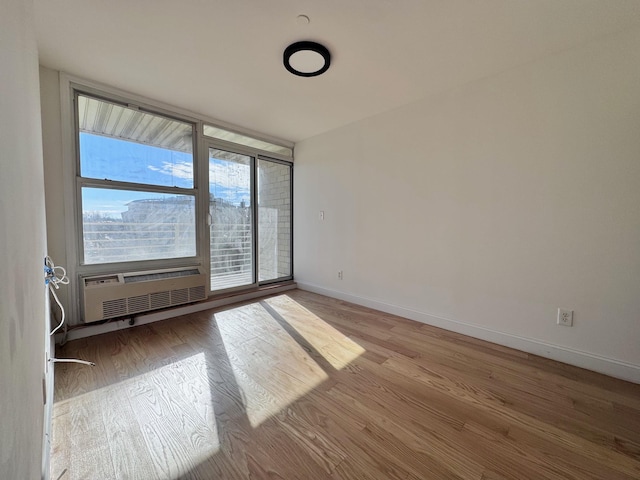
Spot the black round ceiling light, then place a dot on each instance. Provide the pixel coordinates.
(306, 59)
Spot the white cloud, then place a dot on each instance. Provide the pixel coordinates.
(229, 175)
(179, 170)
(221, 173)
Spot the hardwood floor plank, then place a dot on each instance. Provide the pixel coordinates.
(124, 437)
(507, 458)
(497, 407)
(61, 451)
(578, 463)
(90, 455)
(439, 459)
(321, 448)
(301, 386)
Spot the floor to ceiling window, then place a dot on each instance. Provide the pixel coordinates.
(154, 190)
(250, 215)
(274, 219)
(231, 226)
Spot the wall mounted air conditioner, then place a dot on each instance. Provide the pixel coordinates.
(123, 294)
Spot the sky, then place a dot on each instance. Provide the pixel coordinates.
(115, 159)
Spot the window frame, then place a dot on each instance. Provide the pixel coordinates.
(72, 183)
(256, 155)
(211, 143)
(269, 158)
(106, 184)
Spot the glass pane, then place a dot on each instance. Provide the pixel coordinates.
(274, 220)
(229, 136)
(231, 230)
(123, 144)
(124, 225)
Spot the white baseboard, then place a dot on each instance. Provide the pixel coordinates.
(590, 361)
(143, 319)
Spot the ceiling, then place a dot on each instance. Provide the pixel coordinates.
(223, 58)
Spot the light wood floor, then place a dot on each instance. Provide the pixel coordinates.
(303, 386)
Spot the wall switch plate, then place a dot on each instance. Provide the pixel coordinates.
(321, 215)
(565, 317)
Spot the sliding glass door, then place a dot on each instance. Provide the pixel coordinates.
(274, 219)
(250, 215)
(231, 231)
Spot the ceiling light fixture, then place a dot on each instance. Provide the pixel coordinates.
(306, 59)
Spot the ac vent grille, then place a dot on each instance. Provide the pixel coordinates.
(160, 299)
(179, 296)
(196, 293)
(138, 304)
(114, 308)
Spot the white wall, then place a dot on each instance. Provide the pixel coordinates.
(53, 174)
(22, 247)
(486, 208)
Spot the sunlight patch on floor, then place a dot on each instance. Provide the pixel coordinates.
(270, 368)
(273, 367)
(338, 349)
(169, 409)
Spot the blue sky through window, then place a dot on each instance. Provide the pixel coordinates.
(116, 159)
(119, 160)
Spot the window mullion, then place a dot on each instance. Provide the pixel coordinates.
(254, 218)
(139, 187)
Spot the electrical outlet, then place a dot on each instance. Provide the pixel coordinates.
(340, 274)
(565, 317)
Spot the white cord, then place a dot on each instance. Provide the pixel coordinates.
(53, 292)
(55, 276)
(63, 340)
(54, 273)
(71, 360)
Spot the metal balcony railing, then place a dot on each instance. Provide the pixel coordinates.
(108, 242)
(231, 255)
(231, 246)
